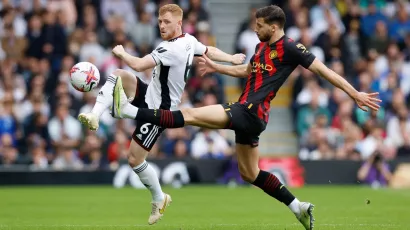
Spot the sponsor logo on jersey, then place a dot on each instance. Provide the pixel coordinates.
(261, 67)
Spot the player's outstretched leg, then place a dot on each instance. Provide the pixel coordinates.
(105, 99)
(148, 176)
(212, 117)
(270, 184)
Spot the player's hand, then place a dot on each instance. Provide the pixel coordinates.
(206, 65)
(238, 59)
(118, 50)
(368, 99)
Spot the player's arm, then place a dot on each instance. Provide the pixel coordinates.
(216, 54)
(362, 99)
(299, 54)
(136, 63)
(208, 66)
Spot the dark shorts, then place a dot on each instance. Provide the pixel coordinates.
(145, 134)
(245, 123)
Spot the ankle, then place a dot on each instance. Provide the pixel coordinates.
(294, 206)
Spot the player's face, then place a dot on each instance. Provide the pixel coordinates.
(168, 25)
(263, 30)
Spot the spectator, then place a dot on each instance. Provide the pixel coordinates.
(371, 18)
(8, 153)
(398, 128)
(310, 90)
(375, 171)
(244, 26)
(325, 15)
(64, 130)
(248, 41)
(34, 37)
(67, 160)
(12, 45)
(142, 33)
(181, 149)
(8, 124)
(39, 158)
(210, 144)
(400, 26)
(307, 114)
(380, 39)
(119, 148)
(323, 152)
(119, 7)
(196, 7)
(91, 50)
(373, 142)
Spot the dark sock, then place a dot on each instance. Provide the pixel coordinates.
(160, 117)
(271, 185)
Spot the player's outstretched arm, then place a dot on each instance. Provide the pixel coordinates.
(361, 98)
(216, 54)
(208, 66)
(136, 63)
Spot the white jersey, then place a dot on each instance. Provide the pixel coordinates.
(174, 60)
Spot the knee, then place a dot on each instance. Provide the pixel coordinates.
(134, 159)
(120, 73)
(126, 77)
(190, 115)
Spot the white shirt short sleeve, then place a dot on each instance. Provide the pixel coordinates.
(164, 55)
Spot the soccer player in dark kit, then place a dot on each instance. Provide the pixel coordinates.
(276, 56)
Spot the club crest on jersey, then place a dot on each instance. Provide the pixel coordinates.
(273, 54)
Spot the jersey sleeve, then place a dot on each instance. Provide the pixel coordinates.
(299, 53)
(164, 55)
(200, 49)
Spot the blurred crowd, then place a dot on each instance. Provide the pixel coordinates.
(42, 39)
(366, 41)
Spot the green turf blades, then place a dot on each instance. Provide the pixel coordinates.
(199, 207)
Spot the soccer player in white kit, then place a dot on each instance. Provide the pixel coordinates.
(172, 60)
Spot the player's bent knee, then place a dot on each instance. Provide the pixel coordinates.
(136, 154)
(135, 160)
(190, 116)
(120, 73)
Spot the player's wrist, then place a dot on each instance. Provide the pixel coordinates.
(232, 59)
(355, 94)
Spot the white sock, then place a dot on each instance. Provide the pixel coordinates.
(149, 178)
(294, 206)
(104, 98)
(130, 111)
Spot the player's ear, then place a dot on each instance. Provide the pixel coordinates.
(273, 27)
(180, 22)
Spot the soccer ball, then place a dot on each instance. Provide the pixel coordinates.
(84, 76)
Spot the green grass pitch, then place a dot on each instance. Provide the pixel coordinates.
(199, 207)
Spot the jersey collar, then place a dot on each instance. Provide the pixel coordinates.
(180, 36)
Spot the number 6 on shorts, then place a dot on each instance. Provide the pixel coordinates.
(146, 134)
